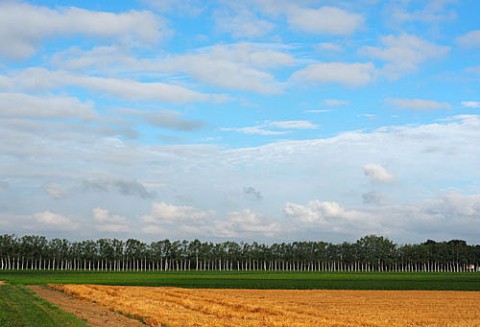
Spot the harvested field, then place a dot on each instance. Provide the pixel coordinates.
(220, 307)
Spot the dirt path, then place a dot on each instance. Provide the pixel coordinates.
(95, 315)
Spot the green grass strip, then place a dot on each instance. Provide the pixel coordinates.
(256, 280)
(20, 307)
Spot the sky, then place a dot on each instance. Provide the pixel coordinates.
(255, 120)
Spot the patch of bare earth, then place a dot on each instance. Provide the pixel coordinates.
(94, 314)
(1, 283)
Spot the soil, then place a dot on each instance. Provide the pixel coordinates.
(94, 314)
(1, 283)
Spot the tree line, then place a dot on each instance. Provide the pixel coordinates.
(369, 253)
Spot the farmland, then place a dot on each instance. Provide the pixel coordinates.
(255, 280)
(19, 307)
(265, 297)
(220, 307)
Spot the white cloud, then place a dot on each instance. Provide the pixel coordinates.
(266, 127)
(241, 22)
(20, 105)
(324, 20)
(417, 104)
(445, 217)
(106, 222)
(470, 40)
(238, 224)
(253, 130)
(168, 213)
(292, 124)
(42, 79)
(247, 222)
(329, 216)
(349, 74)
(404, 53)
(48, 219)
(471, 104)
(23, 27)
(454, 206)
(377, 173)
(239, 66)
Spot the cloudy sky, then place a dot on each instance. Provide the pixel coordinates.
(240, 120)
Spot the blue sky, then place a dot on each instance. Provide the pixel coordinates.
(255, 120)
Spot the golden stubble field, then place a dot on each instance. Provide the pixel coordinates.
(170, 306)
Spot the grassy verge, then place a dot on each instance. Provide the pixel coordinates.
(20, 307)
(256, 280)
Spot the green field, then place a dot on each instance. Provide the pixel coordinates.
(255, 280)
(19, 307)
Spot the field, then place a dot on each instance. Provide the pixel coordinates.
(255, 280)
(252, 298)
(167, 306)
(19, 307)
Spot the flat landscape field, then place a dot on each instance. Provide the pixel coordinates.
(230, 298)
(255, 280)
(169, 306)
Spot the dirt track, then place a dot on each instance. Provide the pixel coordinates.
(95, 315)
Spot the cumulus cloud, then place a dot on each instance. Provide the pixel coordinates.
(377, 173)
(241, 66)
(470, 40)
(48, 219)
(20, 105)
(107, 222)
(417, 104)
(447, 216)
(168, 213)
(349, 74)
(454, 206)
(324, 20)
(23, 27)
(403, 53)
(247, 222)
(328, 216)
(124, 187)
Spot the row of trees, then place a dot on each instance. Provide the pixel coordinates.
(370, 253)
